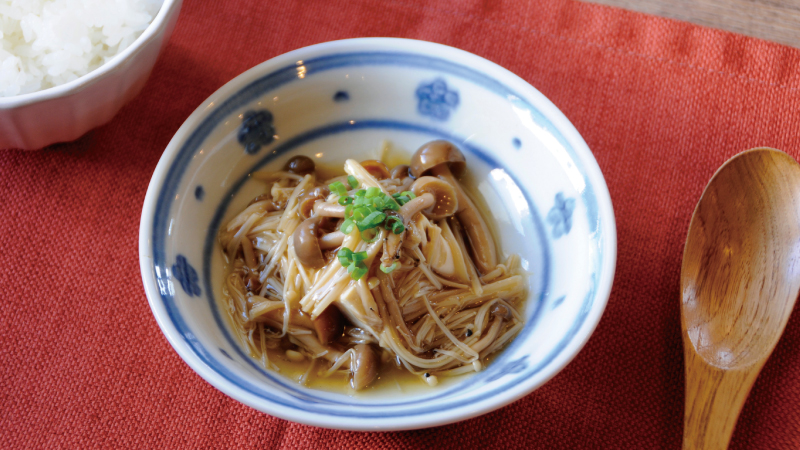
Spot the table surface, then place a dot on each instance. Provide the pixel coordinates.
(661, 103)
(773, 20)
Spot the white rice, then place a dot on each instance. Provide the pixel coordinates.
(44, 43)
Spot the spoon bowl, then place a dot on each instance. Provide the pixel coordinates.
(740, 278)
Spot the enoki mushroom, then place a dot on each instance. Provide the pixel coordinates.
(372, 268)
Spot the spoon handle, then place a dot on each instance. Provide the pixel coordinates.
(714, 399)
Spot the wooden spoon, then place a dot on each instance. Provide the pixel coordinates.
(739, 281)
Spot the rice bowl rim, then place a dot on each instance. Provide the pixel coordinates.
(77, 85)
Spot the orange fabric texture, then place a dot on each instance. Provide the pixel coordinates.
(662, 104)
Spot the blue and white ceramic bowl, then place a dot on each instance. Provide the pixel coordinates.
(340, 100)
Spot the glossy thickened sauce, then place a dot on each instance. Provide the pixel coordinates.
(393, 378)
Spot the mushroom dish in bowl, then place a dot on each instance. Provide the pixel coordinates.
(377, 234)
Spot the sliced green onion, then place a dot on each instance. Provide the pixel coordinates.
(360, 212)
(338, 188)
(345, 200)
(391, 268)
(391, 218)
(347, 226)
(375, 235)
(398, 228)
(357, 272)
(345, 255)
(348, 210)
(404, 197)
(352, 181)
(378, 203)
(374, 219)
(359, 256)
(372, 191)
(390, 203)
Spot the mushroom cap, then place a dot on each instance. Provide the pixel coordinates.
(444, 194)
(306, 245)
(376, 168)
(309, 197)
(300, 165)
(365, 366)
(400, 171)
(500, 310)
(435, 153)
(329, 325)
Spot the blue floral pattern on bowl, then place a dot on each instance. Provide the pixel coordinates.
(341, 96)
(560, 215)
(185, 273)
(414, 96)
(256, 130)
(515, 366)
(436, 99)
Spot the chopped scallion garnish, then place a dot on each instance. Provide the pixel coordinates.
(347, 226)
(338, 188)
(353, 261)
(345, 255)
(371, 235)
(357, 272)
(359, 257)
(391, 268)
(372, 191)
(374, 219)
(368, 209)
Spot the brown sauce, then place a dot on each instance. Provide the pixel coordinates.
(393, 379)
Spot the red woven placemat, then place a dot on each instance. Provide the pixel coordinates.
(661, 103)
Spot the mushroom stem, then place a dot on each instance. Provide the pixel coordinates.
(416, 205)
(324, 209)
(483, 249)
(331, 240)
(407, 212)
(406, 184)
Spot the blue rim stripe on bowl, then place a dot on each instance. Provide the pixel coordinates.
(287, 74)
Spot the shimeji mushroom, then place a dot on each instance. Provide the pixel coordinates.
(364, 366)
(435, 198)
(364, 362)
(309, 198)
(300, 165)
(325, 209)
(444, 160)
(400, 172)
(308, 244)
(328, 326)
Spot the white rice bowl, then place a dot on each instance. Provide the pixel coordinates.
(45, 43)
